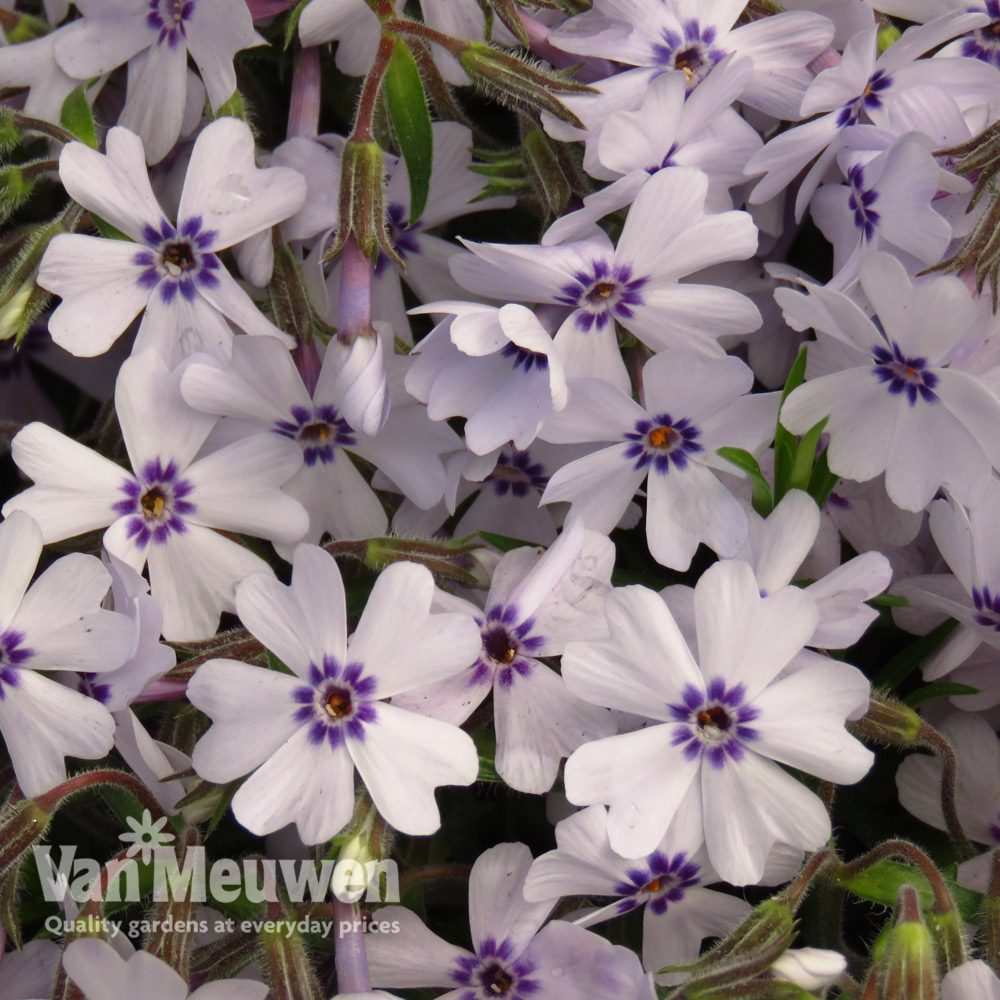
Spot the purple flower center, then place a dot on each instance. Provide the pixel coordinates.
(662, 442)
(339, 701)
(987, 607)
(860, 201)
(319, 432)
(525, 358)
(495, 973)
(515, 473)
(177, 260)
(402, 235)
(507, 646)
(693, 53)
(662, 880)
(13, 654)
(868, 100)
(167, 17)
(713, 722)
(155, 503)
(984, 42)
(602, 294)
(905, 375)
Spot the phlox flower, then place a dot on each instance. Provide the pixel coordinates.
(692, 406)
(691, 36)
(536, 603)
(164, 509)
(679, 912)
(895, 405)
(102, 974)
(514, 955)
(496, 367)
(973, 980)
(55, 624)
(667, 236)
(31, 971)
(721, 724)
(173, 273)
(776, 548)
(862, 87)
(261, 390)
(302, 734)
(155, 38)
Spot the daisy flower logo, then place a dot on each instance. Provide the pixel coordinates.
(146, 837)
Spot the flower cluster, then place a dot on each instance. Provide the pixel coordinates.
(641, 443)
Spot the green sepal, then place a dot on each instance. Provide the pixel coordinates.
(907, 660)
(763, 498)
(77, 117)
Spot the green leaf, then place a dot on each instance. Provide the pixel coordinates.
(822, 481)
(77, 117)
(889, 601)
(411, 121)
(942, 689)
(233, 108)
(763, 499)
(785, 443)
(906, 661)
(486, 745)
(293, 22)
(503, 542)
(273, 663)
(881, 883)
(805, 455)
(106, 229)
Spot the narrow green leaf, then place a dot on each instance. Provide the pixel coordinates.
(76, 117)
(889, 601)
(107, 230)
(906, 661)
(942, 689)
(805, 455)
(411, 121)
(822, 481)
(762, 499)
(785, 443)
(503, 542)
(292, 24)
(273, 663)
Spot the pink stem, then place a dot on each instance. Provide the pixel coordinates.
(354, 313)
(351, 958)
(165, 689)
(303, 110)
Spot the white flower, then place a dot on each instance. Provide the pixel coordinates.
(721, 722)
(174, 273)
(56, 624)
(302, 734)
(973, 980)
(165, 510)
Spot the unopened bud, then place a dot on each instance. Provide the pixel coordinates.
(887, 34)
(513, 81)
(16, 186)
(362, 202)
(547, 172)
(810, 968)
(290, 300)
(19, 27)
(910, 967)
(464, 563)
(283, 959)
(889, 721)
(948, 932)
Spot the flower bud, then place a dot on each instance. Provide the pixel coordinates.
(547, 171)
(290, 299)
(889, 721)
(910, 967)
(810, 968)
(362, 202)
(464, 563)
(517, 83)
(283, 959)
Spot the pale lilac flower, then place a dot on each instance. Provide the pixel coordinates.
(863, 87)
(30, 972)
(173, 274)
(668, 235)
(155, 38)
(496, 367)
(512, 956)
(302, 734)
(895, 405)
(887, 204)
(977, 785)
(353, 24)
(102, 974)
(692, 407)
(535, 604)
(55, 624)
(973, 980)
(719, 725)
(164, 511)
(262, 391)
(776, 548)
(679, 912)
(669, 129)
(691, 36)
